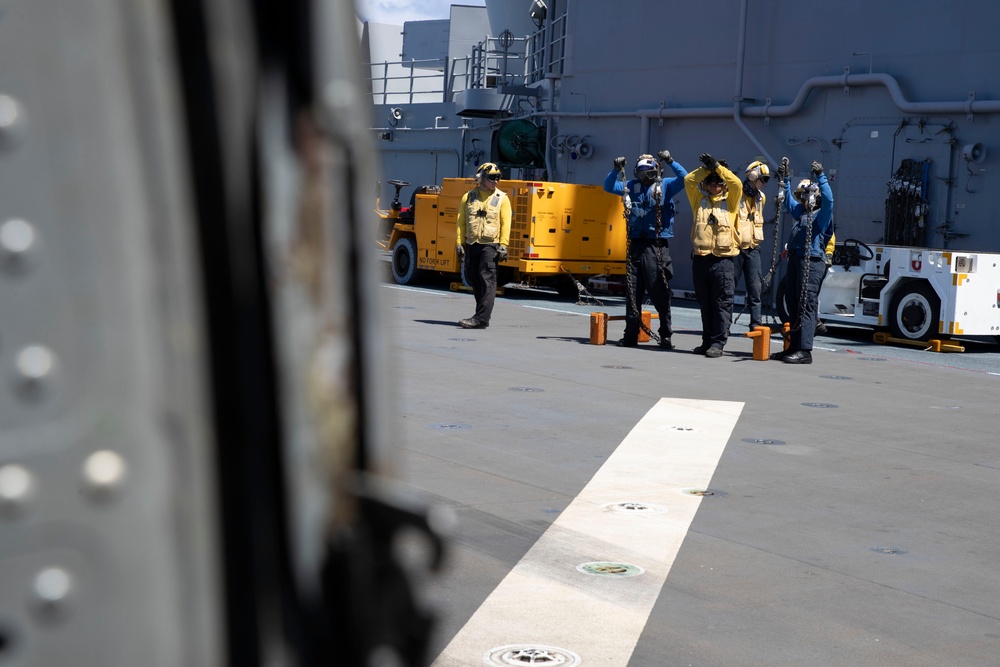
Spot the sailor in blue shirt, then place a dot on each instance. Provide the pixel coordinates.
(649, 211)
(811, 205)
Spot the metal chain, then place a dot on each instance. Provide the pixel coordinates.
(804, 291)
(629, 286)
(779, 201)
(584, 297)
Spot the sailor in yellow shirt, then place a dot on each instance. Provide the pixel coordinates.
(750, 223)
(714, 193)
(483, 235)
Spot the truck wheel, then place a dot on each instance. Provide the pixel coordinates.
(565, 287)
(404, 261)
(914, 312)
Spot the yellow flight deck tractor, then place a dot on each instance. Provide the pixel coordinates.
(560, 232)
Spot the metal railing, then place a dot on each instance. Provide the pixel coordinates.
(409, 81)
(546, 52)
(494, 62)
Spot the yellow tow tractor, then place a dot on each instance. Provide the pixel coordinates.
(560, 233)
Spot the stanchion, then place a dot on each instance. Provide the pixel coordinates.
(599, 326)
(761, 342)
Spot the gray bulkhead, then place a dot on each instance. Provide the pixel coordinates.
(859, 86)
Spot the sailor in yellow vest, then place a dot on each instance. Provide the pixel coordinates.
(750, 223)
(483, 235)
(714, 193)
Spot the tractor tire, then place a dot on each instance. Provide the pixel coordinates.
(914, 312)
(404, 261)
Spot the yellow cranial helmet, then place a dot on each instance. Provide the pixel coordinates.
(488, 170)
(758, 170)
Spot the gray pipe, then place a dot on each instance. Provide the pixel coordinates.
(968, 106)
(738, 97)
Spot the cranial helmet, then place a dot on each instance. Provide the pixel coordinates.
(802, 188)
(488, 169)
(758, 170)
(646, 169)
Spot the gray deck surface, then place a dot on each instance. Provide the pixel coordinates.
(864, 533)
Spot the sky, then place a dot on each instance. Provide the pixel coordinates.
(397, 12)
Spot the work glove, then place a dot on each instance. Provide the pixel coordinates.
(783, 168)
(817, 168)
(460, 251)
(710, 162)
(619, 164)
(502, 253)
(655, 192)
(664, 156)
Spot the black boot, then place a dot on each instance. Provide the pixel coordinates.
(800, 357)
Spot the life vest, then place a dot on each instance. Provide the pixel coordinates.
(713, 232)
(750, 222)
(483, 217)
(802, 226)
(642, 214)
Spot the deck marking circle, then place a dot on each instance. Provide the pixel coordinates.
(531, 654)
(608, 569)
(763, 441)
(634, 507)
(820, 405)
(889, 551)
(451, 427)
(704, 493)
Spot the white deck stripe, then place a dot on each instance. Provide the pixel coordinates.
(545, 601)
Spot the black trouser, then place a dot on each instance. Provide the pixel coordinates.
(747, 265)
(481, 273)
(714, 285)
(802, 313)
(648, 264)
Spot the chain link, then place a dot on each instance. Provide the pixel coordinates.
(584, 297)
(629, 286)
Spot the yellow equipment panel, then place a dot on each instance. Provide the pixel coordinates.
(555, 227)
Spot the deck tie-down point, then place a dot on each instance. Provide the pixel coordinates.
(599, 326)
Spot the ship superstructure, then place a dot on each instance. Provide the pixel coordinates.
(899, 101)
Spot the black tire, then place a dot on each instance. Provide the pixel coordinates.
(505, 275)
(565, 287)
(404, 261)
(914, 312)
